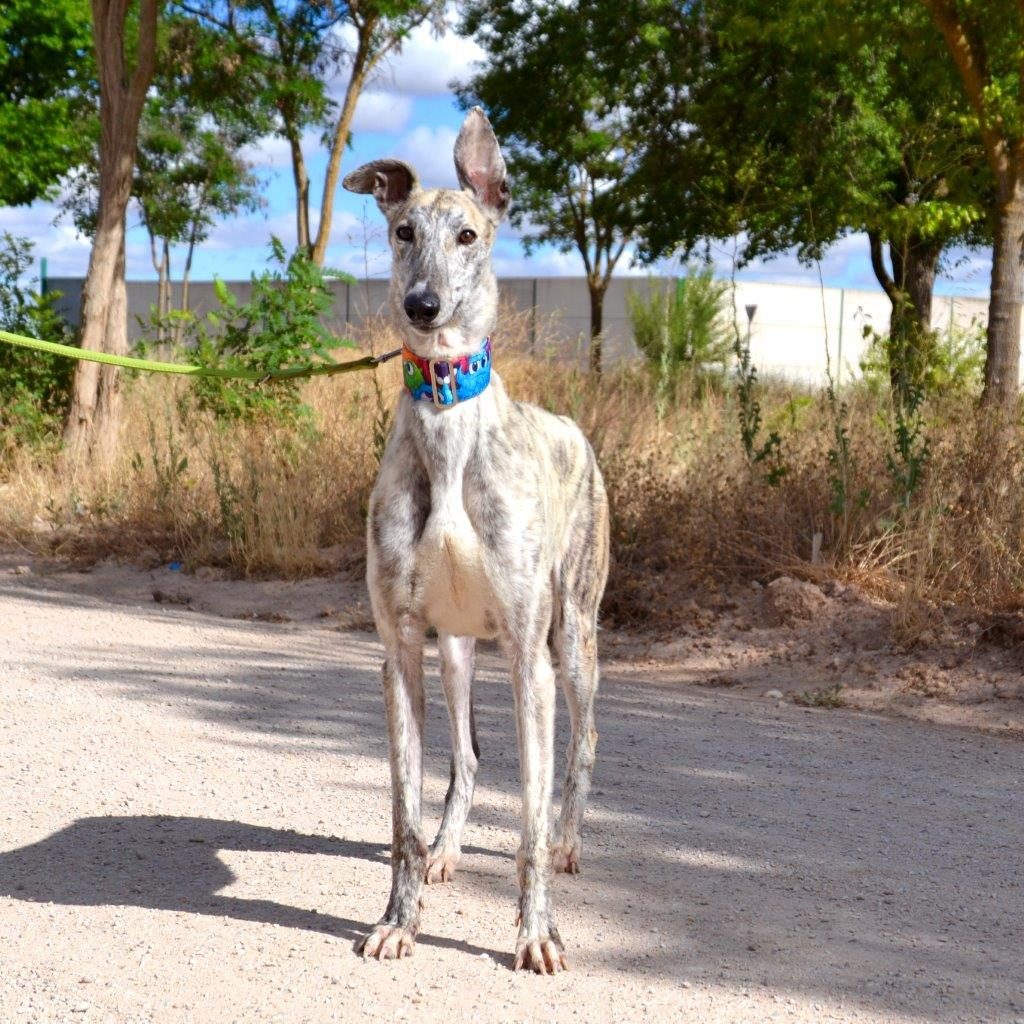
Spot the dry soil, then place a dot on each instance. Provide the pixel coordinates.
(195, 821)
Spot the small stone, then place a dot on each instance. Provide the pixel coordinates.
(774, 695)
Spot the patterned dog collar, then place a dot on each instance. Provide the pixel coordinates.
(447, 382)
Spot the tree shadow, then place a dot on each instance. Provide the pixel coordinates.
(159, 862)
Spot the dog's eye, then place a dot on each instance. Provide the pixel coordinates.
(466, 236)
(404, 232)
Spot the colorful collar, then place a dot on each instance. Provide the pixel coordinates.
(447, 382)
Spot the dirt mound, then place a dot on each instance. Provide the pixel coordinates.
(788, 601)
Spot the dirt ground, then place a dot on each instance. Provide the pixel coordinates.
(196, 815)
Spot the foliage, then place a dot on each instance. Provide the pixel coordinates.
(684, 326)
(791, 123)
(909, 450)
(46, 93)
(189, 169)
(33, 385)
(291, 57)
(573, 152)
(984, 41)
(280, 326)
(688, 515)
(955, 365)
(758, 452)
(863, 131)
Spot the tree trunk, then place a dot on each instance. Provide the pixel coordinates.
(1002, 362)
(911, 338)
(108, 404)
(597, 289)
(910, 288)
(360, 68)
(95, 402)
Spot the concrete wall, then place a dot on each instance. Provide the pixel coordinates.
(788, 337)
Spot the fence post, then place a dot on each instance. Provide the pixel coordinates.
(533, 316)
(839, 342)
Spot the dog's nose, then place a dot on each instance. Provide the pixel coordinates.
(422, 307)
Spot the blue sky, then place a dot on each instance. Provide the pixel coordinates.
(410, 112)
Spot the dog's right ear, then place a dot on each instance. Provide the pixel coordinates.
(390, 182)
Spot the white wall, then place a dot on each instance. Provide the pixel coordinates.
(788, 334)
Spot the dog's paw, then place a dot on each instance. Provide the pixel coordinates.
(542, 954)
(388, 942)
(441, 866)
(565, 858)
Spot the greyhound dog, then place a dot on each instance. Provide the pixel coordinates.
(488, 520)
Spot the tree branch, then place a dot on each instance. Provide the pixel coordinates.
(878, 266)
(968, 52)
(145, 66)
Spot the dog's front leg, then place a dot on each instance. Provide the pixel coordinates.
(457, 655)
(539, 947)
(404, 703)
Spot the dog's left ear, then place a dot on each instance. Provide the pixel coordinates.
(390, 182)
(480, 165)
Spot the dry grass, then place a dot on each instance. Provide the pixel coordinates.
(688, 512)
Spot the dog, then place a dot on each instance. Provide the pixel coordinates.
(488, 520)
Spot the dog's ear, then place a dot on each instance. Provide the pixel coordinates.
(390, 182)
(479, 163)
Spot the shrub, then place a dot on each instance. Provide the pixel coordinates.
(280, 326)
(34, 386)
(684, 326)
(956, 361)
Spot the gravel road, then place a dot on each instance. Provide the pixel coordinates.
(195, 821)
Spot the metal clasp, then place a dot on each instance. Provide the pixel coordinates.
(432, 363)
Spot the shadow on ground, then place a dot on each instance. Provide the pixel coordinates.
(173, 863)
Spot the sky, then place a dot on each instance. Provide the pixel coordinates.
(410, 112)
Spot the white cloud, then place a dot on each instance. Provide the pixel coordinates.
(382, 110)
(273, 152)
(65, 250)
(427, 63)
(430, 150)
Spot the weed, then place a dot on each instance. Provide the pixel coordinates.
(826, 697)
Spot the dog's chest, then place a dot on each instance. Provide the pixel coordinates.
(452, 587)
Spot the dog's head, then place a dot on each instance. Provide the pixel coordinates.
(443, 291)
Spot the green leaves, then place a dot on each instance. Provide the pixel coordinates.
(281, 325)
(47, 93)
(33, 385)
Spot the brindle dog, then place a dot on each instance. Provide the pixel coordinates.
(488, 520)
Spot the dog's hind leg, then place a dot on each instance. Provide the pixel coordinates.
(457, 657)
(578, 587)
(404, 704)
(576, 644)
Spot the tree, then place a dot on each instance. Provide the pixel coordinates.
(189, 168)
(572, 151)
(46, 86)
(189, 172)
(792, 123)
(125, 45)
(293, 50)
(985, 41)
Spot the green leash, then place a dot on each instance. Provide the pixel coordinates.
(187, 370)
